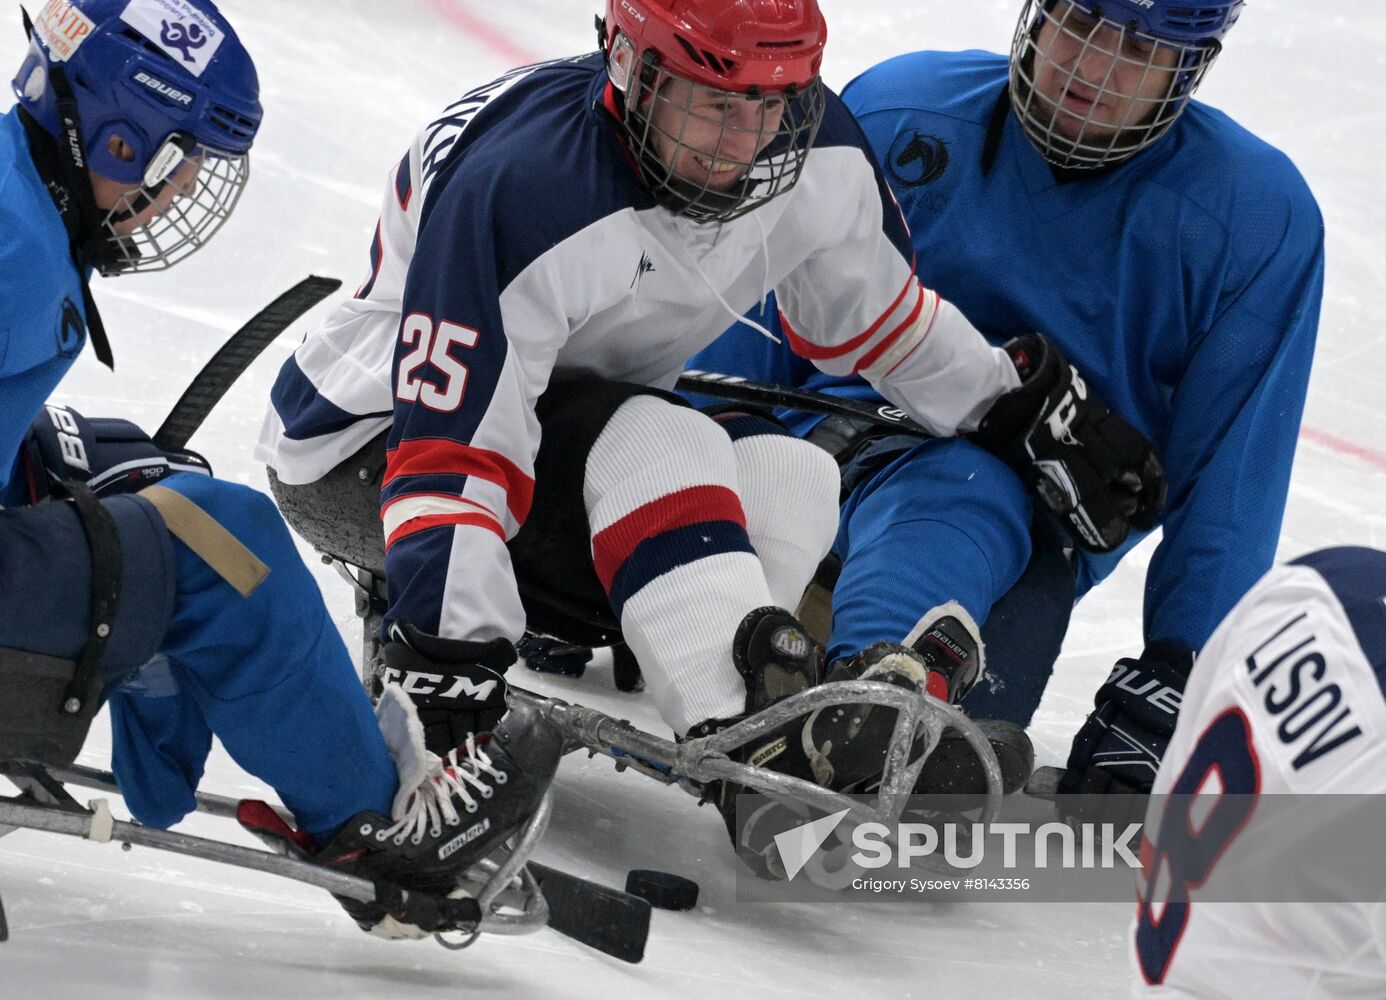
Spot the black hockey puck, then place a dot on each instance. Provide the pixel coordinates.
(664, 890)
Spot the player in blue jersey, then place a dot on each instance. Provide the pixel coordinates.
(1177, 259)
(511, 351)
(184, 608)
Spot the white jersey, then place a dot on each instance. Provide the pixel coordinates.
(517, 247)
(1286, 698)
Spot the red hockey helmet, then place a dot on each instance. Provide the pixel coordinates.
(734, 45)
(672, 60)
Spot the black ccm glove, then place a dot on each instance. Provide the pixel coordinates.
(1089, 466)
(109, 455)
(458, 687)
(1119, 748)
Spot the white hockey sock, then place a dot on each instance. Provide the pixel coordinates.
(789, 489)
(670, 546)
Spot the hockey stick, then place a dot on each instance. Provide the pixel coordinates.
(744, 390)
(613, 922)
(608, 920)
(97, 824)
(235, 356)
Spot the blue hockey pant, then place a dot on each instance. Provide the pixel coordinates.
(944, 521)
(190, 658)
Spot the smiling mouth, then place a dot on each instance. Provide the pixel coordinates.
(716, 167)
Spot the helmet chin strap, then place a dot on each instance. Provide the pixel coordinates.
(86, 235)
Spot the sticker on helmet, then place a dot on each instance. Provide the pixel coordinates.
(188, 35)
(62, 28)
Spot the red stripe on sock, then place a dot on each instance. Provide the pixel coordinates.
(613, 545)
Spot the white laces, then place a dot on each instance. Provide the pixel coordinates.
(433, 802)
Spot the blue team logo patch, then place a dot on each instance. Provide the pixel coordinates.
(917, 159)
(72, 330)
(183, 37)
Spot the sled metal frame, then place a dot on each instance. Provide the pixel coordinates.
(693, 764)
(506, 892)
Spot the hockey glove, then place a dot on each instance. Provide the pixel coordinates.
(458, 687)
(1119, 748)
(109, 455)
(1093, 469)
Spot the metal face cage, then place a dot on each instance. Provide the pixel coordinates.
(712, 154)
(180, 206)
(1090, 90)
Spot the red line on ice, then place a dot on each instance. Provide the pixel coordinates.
(495, 40)
(1343, 447)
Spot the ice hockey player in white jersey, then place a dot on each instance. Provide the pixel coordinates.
(1286, 699)
(550, 253)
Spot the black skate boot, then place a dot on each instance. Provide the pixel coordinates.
(951, 645)
(547, 655)
(776, 657)
(449, 813)
(941, 656)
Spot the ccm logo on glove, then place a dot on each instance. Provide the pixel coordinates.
(418, 682)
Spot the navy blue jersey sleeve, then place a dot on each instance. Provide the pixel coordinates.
(1357, 577)
(460, 473)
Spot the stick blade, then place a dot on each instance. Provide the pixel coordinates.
(235, 356)
(609, 920)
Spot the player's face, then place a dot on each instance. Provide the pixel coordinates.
(110, 194)
(1095, 77)
(710, 137)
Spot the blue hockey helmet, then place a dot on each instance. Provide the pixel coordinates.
(171, 81)
(1181, 22)
(1093, 82)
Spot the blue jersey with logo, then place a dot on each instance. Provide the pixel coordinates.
(42, 324)
(225, 659)
(1185, 284)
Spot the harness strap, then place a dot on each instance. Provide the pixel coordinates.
(212, 543)
(107, 561)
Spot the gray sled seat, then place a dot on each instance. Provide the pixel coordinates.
(339, 515)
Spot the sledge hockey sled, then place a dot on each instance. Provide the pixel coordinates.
(506, 893)
(339, 516)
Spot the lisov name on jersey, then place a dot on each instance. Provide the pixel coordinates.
(1307, 708)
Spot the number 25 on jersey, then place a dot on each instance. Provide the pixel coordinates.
(442, 387)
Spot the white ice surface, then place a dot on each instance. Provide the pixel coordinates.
(346, 82)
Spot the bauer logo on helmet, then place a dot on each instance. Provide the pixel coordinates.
(164, 90)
